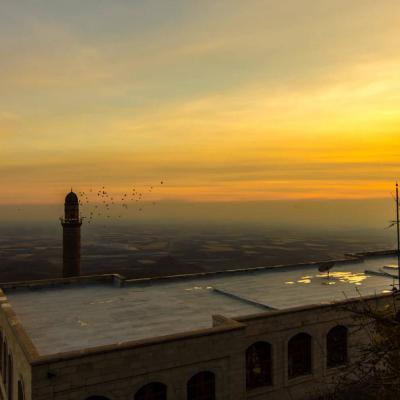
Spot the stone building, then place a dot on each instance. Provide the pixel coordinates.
(266, 333)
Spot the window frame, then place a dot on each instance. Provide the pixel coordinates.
(21, 389)
(160, 385)
(300, 355)
(207, 383)
(338, 348)
(265, 362)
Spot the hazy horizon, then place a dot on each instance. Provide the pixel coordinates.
(324, 215)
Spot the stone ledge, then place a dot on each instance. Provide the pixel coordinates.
(94, 351)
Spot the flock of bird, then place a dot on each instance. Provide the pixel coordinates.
(102, 203)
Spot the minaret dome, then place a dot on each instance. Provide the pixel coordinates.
(71, 207)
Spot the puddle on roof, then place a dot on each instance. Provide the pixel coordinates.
(345, 277)
(332, 278)
(198, 288)
(391, 266)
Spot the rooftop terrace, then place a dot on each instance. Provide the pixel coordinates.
(64, 318)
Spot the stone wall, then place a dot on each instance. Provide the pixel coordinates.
(19, 346)
(119, 373)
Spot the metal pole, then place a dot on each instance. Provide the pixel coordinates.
(398, 231)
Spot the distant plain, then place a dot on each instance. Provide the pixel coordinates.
(135, 251)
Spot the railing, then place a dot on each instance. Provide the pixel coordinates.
(71, 220)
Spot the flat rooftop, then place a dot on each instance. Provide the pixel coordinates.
(72, 317)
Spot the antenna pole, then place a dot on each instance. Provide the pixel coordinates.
(398, 230)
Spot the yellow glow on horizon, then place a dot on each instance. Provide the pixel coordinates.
(257, 113)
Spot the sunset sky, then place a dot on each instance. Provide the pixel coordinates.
(223, 100)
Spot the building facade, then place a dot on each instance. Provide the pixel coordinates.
(285, 354)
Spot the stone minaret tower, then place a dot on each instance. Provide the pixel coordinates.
(71, 224)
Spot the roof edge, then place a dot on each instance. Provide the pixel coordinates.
(229, 325)
(308, 307)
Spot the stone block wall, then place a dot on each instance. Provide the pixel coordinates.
(21, 369)
(118, 374)
(119, 371)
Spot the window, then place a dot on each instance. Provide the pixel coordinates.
(336, 346)
(10, 382)
(258, 365)
(1, 352)
(4, 362)
(21, 395)
(152, 391)
(201, 386)
(299, 355)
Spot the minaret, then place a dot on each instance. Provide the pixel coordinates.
(71, 224)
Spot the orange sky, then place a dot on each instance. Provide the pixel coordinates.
(226, 100)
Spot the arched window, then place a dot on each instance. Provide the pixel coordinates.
(152, 391)
(258, 365)
(299, 355)
(1, 352)
(336, 346)
(10, 382)
(21, 395)
(201, 386)
(4, 362)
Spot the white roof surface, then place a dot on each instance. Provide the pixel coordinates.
(69, 317)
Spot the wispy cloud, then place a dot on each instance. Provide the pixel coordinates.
(258, 99)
